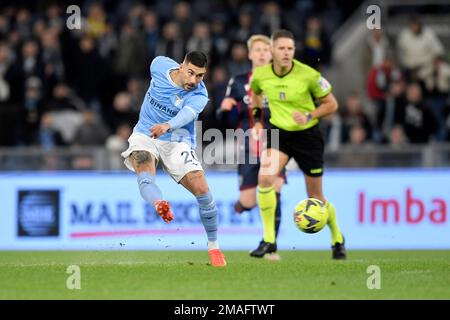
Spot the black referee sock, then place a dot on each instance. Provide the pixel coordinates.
(277, 215)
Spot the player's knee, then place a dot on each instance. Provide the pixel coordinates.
(196, 183)
(141, 157)
(266, 181)
(248, 202)
(202, 189)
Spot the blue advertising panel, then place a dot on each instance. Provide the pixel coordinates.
(376, 209)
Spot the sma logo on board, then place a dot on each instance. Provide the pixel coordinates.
(38, 213)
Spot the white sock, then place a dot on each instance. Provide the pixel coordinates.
(213, 245)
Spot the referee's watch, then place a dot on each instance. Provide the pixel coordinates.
(309, 117)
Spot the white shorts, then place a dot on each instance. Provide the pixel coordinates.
(177, 158)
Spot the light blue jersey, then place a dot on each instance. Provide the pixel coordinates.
(164, 99)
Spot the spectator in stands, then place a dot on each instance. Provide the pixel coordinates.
(64, 99)
(132, 53)
(220, 41)
(91, 132)
(171, 44)
(376, 50)
(96, 20)
(315, 46)
(32, 110)
(5, 65)
(4, 26)
(151, 32)
(122, 111)
(203, 8)
(332, 13)
(354, 116)
(48, 136)
(9, 107)
(447, 123)
(39, 28)
(359, 150)
(437, 85)
(107, 43)
(66, 110)
(417, 47)
(239, 63)
(200, 39)
(416, 118)
(395, 99)
(116, 143)
(245, 28)
(28, 64)
(136, 92)
(52, 59)
(357, 135)
(271, 19)
(23, 22)
(135, 15)
(183, 19)
(397, 137)
(119, 139)
(331, 127)
(397, 141)
(378, 83)
(54, 17)
(89, 73)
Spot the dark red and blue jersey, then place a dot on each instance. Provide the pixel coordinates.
(241, 116)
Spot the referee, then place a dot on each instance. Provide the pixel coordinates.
(291, 88)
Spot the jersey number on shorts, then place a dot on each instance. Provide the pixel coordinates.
(186, 156)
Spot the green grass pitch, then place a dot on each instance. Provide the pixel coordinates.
(186, 275)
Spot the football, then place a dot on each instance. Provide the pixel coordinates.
(310, 215)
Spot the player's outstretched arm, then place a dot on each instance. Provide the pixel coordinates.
(186, 115)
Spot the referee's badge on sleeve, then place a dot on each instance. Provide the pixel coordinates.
(282, 96)
(324, 84)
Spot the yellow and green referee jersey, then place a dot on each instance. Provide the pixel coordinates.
(294, 91)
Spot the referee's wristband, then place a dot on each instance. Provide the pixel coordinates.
(309, 117)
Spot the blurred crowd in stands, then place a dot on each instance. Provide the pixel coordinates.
(407, 96)
(61, 87)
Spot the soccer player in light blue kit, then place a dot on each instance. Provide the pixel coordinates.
(166, 132)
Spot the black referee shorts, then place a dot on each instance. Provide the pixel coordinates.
(305, 146)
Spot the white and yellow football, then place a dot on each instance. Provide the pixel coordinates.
(310, 215)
